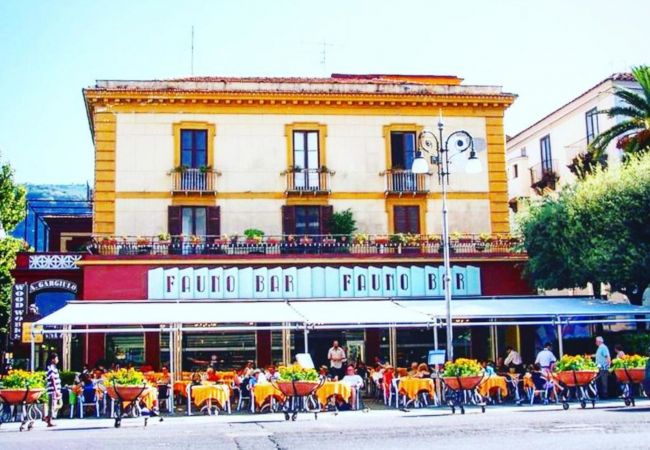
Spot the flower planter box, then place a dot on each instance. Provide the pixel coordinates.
(576, 378)
(636, 375)
(17, 396)
(126, 393)
(465, 383)
(297, 388)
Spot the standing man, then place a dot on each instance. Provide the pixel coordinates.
(603, 360)
(513, 360)
(546, 359)
(53, 383)
(336, 355)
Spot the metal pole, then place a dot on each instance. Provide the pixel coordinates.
(172, 370)
(435, 335)
(392, 345)
(32, 350)
(559, 339)
(306, 338)
(442, 167)
(66, 342)
(286, 346)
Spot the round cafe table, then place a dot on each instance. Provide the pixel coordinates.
(411, 387)
(207, 393)
(494, 382)
(330, 388)
(262, 392)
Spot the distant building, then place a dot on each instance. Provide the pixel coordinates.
(538, 157)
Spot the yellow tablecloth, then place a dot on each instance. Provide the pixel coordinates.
(264, 391)
(149, 397)
(412, 386)
(494, 382)
(333, 388)
(218, 392)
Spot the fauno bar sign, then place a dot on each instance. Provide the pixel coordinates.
(309, 282)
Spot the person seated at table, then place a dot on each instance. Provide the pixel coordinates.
(196, 379)
(488, 368)
(539, 378)
(247, 369)
(355, 382)
(86, 382)
(212, 376)
(324, 371)
(165, 377)
(423, 371)
(413, 371)
(377, 363)
(362, 370)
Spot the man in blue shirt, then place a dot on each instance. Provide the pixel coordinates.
(603, 360)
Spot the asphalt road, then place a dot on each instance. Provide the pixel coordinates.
(609, 426)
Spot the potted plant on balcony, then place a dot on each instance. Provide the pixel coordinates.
(484, 239)
(161, 247)
(629, 368)
(253, 236)
(143, 245)
(296, 381)
(19, 385)
(462, 374)
(411, 244)
(125, 384)
(576, 370)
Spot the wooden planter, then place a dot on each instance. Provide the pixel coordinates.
(17, 396)
(297, 388)
(576, 378)
(126, 393)
(465, 383)
(630, 375)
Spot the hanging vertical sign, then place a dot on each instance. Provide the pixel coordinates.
(18, 310)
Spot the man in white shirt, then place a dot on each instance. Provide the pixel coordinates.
(336, 356)
(513, 360)
(355, 382)
(546, 359)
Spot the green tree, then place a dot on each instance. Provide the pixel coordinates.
(342, 223)
(594, 231)
(12, 211)
(635, 126)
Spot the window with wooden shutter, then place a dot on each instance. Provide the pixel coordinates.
(325, 216)
(288, 220)
(213, 225)
(174, 220)
(406, 219)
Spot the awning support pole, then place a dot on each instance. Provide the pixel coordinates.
(559, 338)
(172, 370)
(306, 338)
(435, 334)
(66, 343)
(32, 350)
(286, 346)
(392, 345)
(495, 342)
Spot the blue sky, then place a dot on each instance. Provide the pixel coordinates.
(50, 50)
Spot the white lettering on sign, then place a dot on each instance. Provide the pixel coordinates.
(310, 282)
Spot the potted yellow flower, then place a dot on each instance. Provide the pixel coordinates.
(125, 384)
(297, 381)
(576, 370)
(629, 368)
(464, 373)
(21, 386)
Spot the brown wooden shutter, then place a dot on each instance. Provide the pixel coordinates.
(325, 216)
(174, 220)
(288, 219)
(213, 225)
(414, 219)
(406, 219)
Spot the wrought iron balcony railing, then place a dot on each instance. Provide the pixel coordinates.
(337, 245)
(315, 181)
(194, 180)
(405, 181)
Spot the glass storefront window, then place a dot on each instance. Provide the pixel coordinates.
(125, 348)
(233, 350)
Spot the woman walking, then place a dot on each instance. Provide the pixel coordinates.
(53, 382)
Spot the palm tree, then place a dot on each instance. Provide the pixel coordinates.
(635, 129)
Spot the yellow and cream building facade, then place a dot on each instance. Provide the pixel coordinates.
(249, 149)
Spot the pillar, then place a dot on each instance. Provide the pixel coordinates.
(392, 345)
(152, 349)
(66, 347)
(373, 344)
(263, 344)
(286, 346)
(95, 348)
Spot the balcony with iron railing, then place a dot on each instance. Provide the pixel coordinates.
(399, 181)
(308, 181)
(191, 180)
(544, 176)
(335, 246)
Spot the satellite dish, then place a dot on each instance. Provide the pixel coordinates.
(459, 141)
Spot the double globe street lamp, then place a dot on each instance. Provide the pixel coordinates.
(440, 152)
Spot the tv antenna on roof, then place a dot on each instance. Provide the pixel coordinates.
(323, 44)
(192, 54)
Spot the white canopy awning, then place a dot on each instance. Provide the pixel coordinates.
(324, 313)
(525, 307)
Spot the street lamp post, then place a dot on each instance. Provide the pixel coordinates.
(439, 150)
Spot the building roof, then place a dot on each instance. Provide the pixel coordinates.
(622, 76)
(334, 78)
